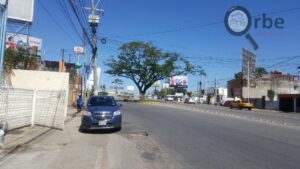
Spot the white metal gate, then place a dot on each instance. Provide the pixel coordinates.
(49, 108)
(16, 107)
(21, 107)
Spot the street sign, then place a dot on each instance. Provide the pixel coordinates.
(78, 50)
(248, 64)
(117, 87)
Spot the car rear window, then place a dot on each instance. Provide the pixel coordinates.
(102, 101)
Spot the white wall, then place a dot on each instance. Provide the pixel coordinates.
(41, 80)
(262, 87)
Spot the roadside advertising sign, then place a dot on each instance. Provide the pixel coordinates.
(130, 88)
(178, 81)
(248, 64)
(14, 40)
(78, 50)
(156, 84)
(21, 10)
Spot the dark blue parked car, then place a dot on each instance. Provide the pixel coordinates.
(101, 112)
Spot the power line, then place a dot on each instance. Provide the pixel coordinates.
(175, 30)
(72, 4)
(285, 61)
(63, 8)
(201, 25)
(55, 21)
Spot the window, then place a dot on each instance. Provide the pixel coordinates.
(102, 101)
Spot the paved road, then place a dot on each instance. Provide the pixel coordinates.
(199, 140)
(71, 149)
(178, 139)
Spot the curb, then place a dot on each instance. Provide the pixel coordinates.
(150, 102)
(238, 116)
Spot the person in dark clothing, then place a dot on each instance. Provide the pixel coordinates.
(79, 103)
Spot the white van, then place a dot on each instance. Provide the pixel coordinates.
(169, 98)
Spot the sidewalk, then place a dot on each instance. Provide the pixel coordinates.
(24, 135)
(277, 118)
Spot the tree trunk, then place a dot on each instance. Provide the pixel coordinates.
(142, 96)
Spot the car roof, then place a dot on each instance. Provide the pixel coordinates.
(102, 97)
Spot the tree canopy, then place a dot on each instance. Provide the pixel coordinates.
(20, 59)
(145, 64)
(259, 72)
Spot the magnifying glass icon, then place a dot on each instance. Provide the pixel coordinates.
(238, 22)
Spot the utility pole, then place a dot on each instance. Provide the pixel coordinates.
(200, 88)
(198, 91)
(62, 55)
(94, 21)
(3, 20)
(248, 80)
(62, 63)
(84, 68)
(215, 90)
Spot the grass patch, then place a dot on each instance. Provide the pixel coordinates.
(149, 102)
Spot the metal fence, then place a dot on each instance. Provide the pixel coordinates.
(21, 107)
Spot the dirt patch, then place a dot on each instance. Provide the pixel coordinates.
(149, 151)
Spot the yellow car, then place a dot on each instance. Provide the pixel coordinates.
(241, 104)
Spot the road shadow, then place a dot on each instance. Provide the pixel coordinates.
(101, 131)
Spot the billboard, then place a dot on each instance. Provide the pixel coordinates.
(156, 84)
(21, 10)
(14, 40)
(178, 81)
(130, 88)
(78, 50)
(248, 64)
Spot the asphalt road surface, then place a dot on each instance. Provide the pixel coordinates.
(197, 140)
(178, 139)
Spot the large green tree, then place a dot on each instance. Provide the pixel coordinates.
(145, 64)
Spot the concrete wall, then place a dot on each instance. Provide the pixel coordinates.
(280, 87)
(40, 80)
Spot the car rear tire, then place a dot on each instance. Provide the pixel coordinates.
(249, 109)
(230, 107)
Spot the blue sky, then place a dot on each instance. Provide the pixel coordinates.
(212, 47)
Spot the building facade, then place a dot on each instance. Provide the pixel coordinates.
(258, 90)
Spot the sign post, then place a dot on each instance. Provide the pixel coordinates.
(248, 68)
(3, 20)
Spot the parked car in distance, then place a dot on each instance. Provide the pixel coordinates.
(169, 98)
(189, 101)
(223, 101)
(227, 103)
(241, 104)
(101, 112)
